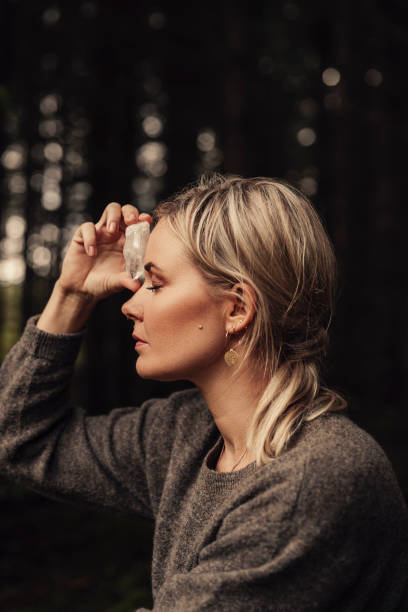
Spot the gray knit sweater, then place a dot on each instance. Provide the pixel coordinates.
(324, 527)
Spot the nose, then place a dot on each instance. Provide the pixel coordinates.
(132, 309)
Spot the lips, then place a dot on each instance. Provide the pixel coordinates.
(138, 339)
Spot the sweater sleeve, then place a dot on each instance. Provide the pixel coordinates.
(329, 543)
(56, 448)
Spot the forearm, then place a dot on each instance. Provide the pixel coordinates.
(34, 392)
(42, 434)
(53, 446)
(66, 312)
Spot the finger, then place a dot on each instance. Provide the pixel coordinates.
(111, 217)
(102, 219)
(89, 237)
(118, 282)
(131, 220)
(130, 214)
(128, 283)
(146, 217)
(86, 235)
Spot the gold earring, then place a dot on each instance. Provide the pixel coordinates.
(231, 356)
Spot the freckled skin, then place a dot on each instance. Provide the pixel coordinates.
(169, 318)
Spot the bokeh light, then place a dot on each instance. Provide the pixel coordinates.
(13, 157)
(51, 16)
(306, 137)
(331, 77)
(150, 158)
(308, 185)
(373, 77)
(12, 270)
(17, 183)
(51, 199)
(50, 232)
(78, 194)
(40, 259)
(156, 20)
(12, 264)
(53, 151)
(141, 185)
(74, 158)
(152, 126)
(53, 172)
(10, 247)
(206, 140)
(211, 156)
(49, 104)
(15, 226)
(50, 128)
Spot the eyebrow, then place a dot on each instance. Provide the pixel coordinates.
(151, 265)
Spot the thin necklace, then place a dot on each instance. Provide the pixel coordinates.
(240, 459)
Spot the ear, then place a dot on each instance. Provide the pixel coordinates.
(241, 307)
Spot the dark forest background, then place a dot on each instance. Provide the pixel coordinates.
(128, 101)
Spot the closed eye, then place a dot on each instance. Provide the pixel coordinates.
(153, 288)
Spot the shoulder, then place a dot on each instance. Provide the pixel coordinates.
(334, 468)
(331, 506)
(335, 484)
(347, 474)
(333, 445)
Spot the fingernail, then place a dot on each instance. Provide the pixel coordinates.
(112, 227)
(91, 251)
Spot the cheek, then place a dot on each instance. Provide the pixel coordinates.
(177, 318)
(179, 349)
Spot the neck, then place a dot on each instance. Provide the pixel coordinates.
(238, 463)
(232, 402)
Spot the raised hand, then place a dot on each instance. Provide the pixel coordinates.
(93, 268)
(94, 264)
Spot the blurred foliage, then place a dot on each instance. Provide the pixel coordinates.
(121, 101)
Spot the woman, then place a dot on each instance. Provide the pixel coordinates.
(265, 495)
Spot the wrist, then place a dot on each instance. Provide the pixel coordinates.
(66, 311)
(77, 299)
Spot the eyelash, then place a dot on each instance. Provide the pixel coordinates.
(153, 288)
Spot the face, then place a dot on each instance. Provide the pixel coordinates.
(168, 310)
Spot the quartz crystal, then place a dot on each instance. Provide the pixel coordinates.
(136, 238)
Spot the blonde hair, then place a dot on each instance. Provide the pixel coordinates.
(266, 233)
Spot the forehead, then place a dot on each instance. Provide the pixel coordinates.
(164, 249)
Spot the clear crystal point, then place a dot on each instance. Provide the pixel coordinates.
(136, 237)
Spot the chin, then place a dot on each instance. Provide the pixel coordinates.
(157, 374)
